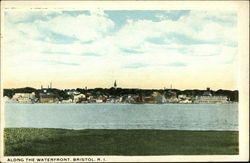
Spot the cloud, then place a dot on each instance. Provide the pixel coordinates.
(90, 54)
(131, 51)
(56, 52)
(76, 12)
(83, 27)
(177, 64)
(62, 63)
(156, 40)
(57, 38)
(29, 16)
(136, 65)
(103, 42)
(39, 25)
(173, 15)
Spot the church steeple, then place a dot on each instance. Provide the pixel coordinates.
(115, 84)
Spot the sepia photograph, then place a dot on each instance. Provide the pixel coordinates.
(124, 81)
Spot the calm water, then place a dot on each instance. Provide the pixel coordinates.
(123, 116)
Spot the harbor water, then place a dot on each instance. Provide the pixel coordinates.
(123, 116)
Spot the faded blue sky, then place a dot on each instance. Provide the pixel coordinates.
(138, 48)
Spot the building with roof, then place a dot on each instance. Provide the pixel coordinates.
(24, 97)
(78, 98)
(48, 98)
(207, 97)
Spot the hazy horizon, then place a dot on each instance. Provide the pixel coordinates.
(54, 87)
(147, 49)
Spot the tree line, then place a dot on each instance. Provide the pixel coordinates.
(232, 95)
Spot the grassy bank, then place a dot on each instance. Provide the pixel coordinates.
(31, 141)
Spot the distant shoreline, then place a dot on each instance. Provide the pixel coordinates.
(119, 95)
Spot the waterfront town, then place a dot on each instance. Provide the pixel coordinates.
(117, 95)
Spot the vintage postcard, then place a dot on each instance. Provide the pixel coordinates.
(124, 81)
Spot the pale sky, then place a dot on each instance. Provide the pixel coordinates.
(137, 48)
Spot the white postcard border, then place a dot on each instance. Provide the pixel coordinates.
(242, 7)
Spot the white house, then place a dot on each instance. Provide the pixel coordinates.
(67, 101)
(78, 97)
(24, 97)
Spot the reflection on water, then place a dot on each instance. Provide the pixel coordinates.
(123, 116)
